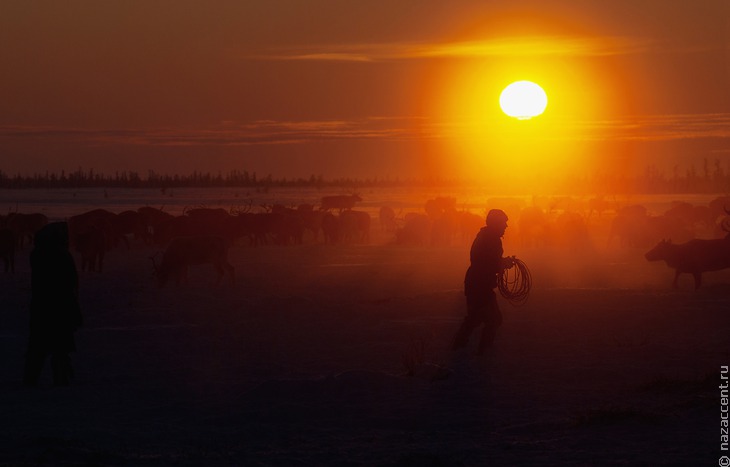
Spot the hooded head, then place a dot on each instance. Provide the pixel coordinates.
(497, 221)
(52, 237)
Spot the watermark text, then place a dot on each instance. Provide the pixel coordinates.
(724, 421)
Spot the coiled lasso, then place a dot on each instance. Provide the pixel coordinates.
(515, 283)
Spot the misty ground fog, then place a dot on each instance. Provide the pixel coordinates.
(327, 353)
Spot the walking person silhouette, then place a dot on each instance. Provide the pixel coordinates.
(54, 305)
(481, 280)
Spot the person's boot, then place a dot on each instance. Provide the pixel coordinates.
(461, 338)
(33, 367)
(487, 339)
(62, 371)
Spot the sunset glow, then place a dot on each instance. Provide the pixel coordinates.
(288, 232)
(252, 86)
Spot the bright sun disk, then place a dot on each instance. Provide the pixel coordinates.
(523, 100)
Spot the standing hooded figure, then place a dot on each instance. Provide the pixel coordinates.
(481, 280)
(54, 305)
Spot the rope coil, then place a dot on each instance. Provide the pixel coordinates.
(514, 283)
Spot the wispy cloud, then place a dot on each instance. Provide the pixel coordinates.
(657, 128)
(505, 46)
(324, 56)
(260, 132)
(402, 128)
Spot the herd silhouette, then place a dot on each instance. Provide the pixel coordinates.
(561, 223)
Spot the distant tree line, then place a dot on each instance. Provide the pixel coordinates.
(711, 178)
(93, 179)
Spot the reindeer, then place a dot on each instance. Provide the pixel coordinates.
(311, 219)
(387, 218)
(416, 230)
(533, 227)
(24, 226)
(130, 223)
(7, 249)
(355, 226)
(331, 228)
(152, 218)
(340, 202)
(92, 246)
(288, 225)
(96, 219)
(183, 252)
(693, 257)
(725, 224)
(469, 225)
(208, 215)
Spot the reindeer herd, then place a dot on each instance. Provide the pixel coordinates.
(204, 235)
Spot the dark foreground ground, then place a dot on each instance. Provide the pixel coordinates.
(302, 362)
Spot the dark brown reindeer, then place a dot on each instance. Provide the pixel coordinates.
(693, 257)
(24, 226)
(91, 221)
(91, 244)
(130, 223)
(340, 202)
(7, 249)
(354, 226)
(387, 218)
(183, 252)
(152, 218)
(416, 230)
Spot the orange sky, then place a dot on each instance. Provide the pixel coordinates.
(361, 89)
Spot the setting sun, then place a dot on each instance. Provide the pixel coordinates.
(523, 100)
